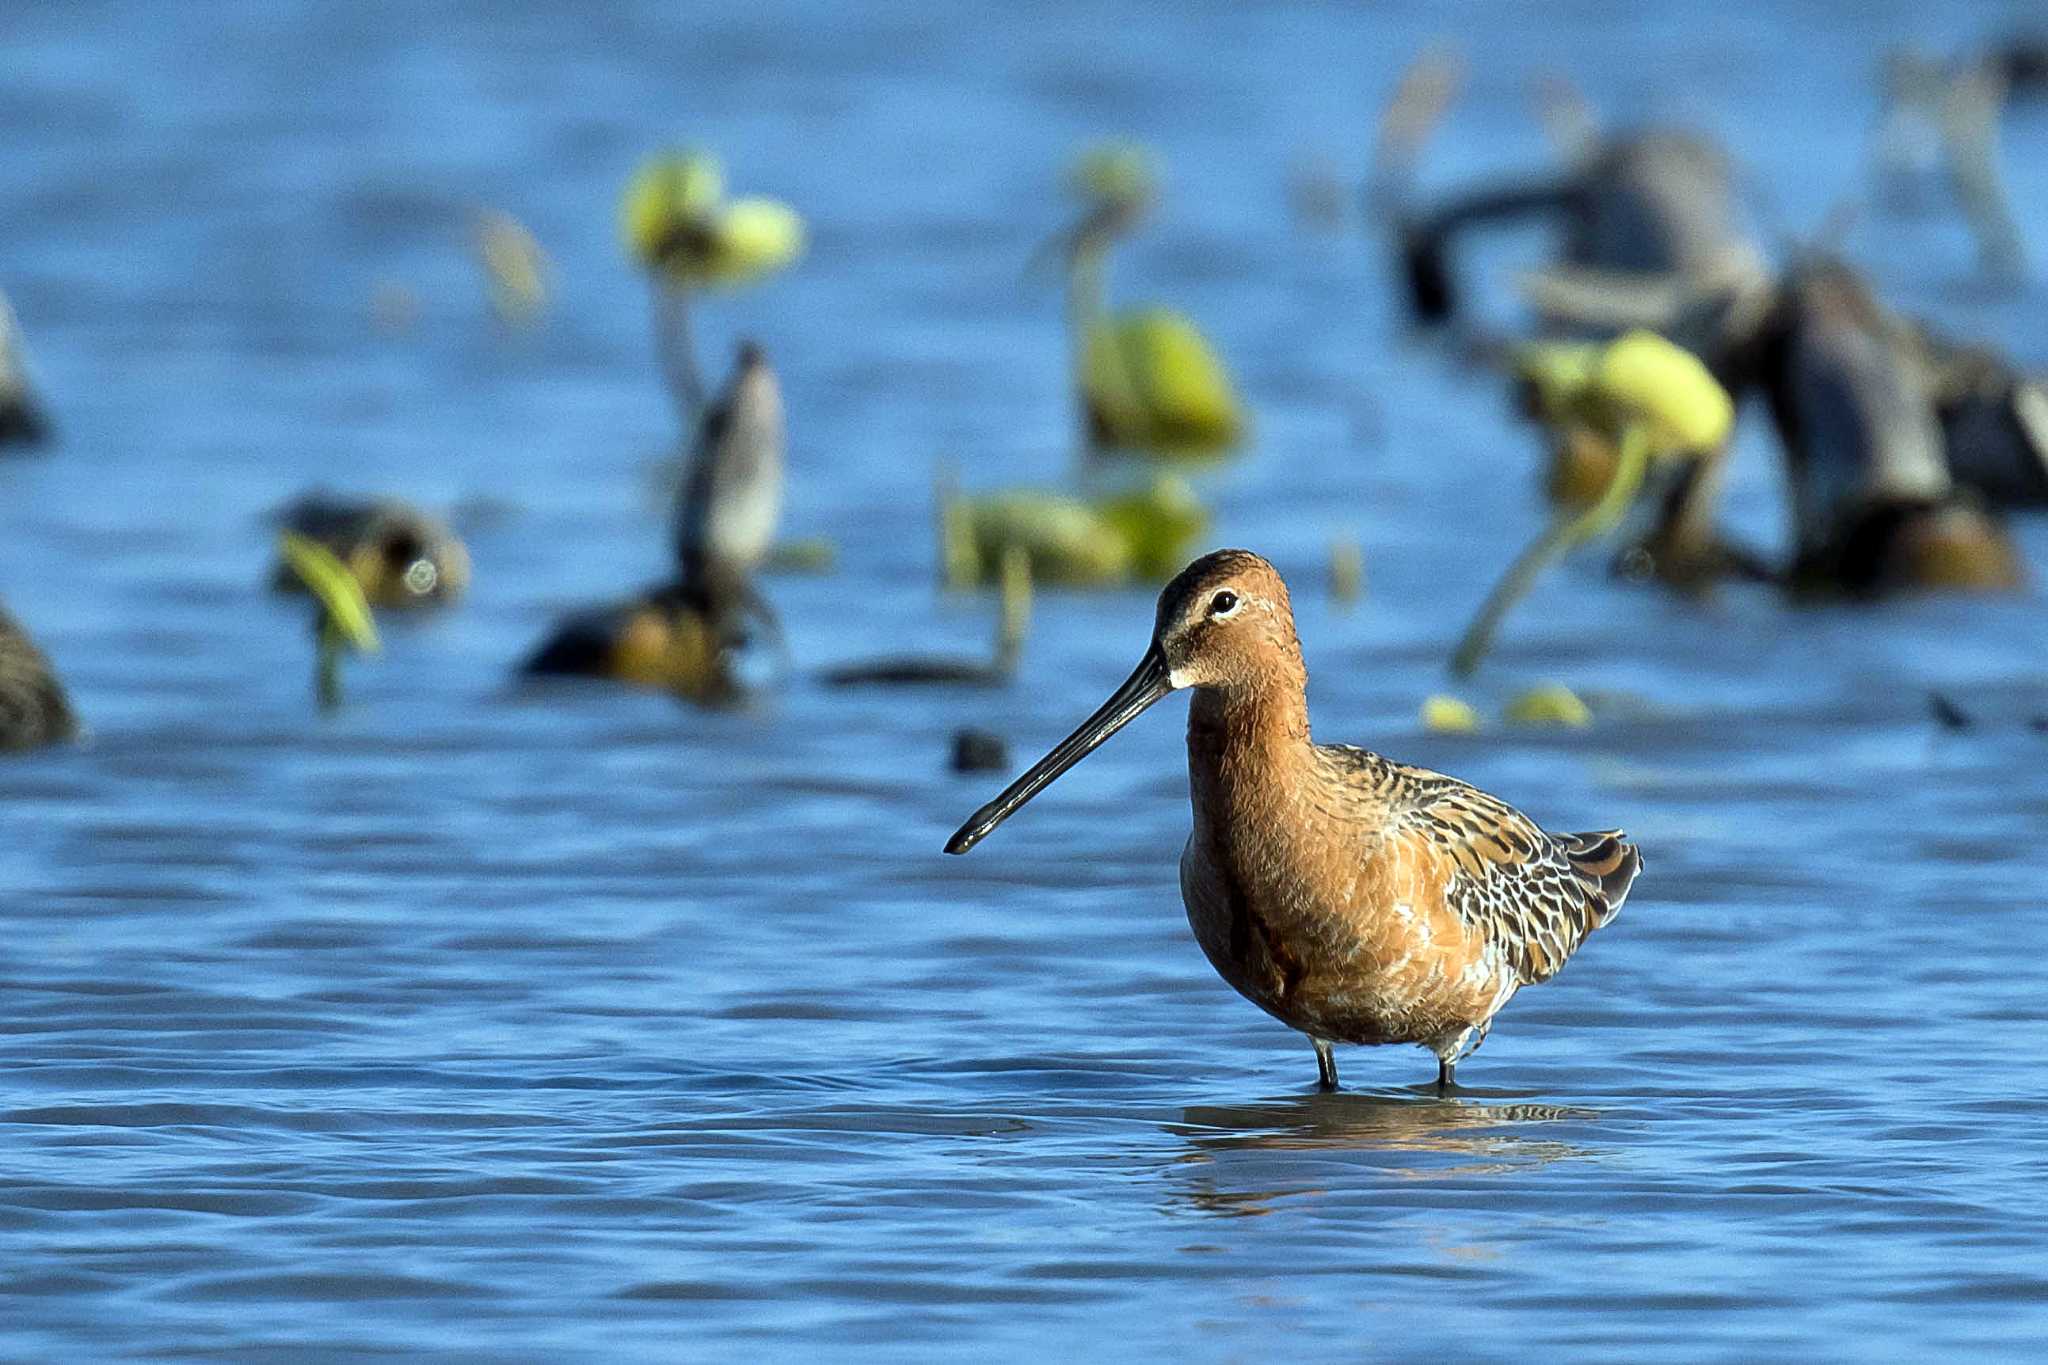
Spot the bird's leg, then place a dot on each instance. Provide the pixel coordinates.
(1444, 1067)
(1326, 1065)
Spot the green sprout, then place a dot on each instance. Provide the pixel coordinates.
(1142, 534)
(675, 221)
(1115, 172)
(1148, 380)
(1013, 622)
(1654, 400)
(342, 620)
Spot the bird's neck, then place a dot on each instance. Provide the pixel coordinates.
(1248, 746)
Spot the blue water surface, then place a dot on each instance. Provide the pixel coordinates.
(477, 1023)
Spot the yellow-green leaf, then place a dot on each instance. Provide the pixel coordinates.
(1656, 381)
(1559, 375)
(339, 594)
(1154, 384)
(750, 239)
(1067, 540)
(1120, 171)
(1448, 716)
(1554, 704)
(668, 197)
(1159, 524)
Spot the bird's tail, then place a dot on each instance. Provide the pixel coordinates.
(1606, 864)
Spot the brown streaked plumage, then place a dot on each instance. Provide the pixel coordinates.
(33, 708)
(1356, 899)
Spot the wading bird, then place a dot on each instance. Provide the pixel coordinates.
(401, 556)
(1356, 899)
(731, 496)
(1876, 506)
(1648, 219)
(685, 635)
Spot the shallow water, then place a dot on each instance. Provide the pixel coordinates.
(485, 1023)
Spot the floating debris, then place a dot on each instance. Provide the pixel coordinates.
(1648, 222)
(659, 640)
(728, 503)
(1856, 395)
(690, 635)
(1013, 622)
(979, 751)
(1994, 420)
(1947, 714)
(515, 268)
(731, 496)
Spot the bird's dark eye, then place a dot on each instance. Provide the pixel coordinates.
(1223, 603)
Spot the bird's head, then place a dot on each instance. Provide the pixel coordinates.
(1224, 622)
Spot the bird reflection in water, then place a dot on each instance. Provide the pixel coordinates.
(1243, 1153)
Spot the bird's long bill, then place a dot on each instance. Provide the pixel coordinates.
(1147, 684)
